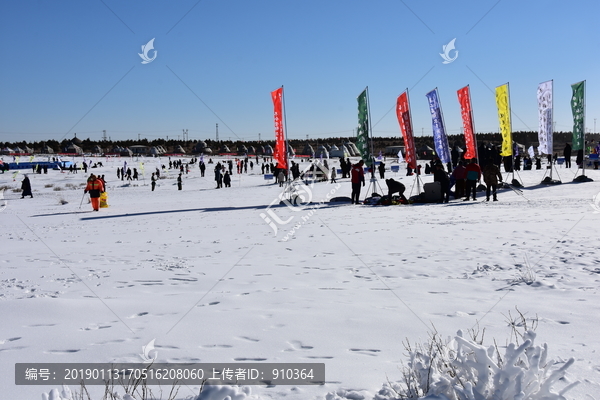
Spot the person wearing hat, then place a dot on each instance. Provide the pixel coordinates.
(95, 187)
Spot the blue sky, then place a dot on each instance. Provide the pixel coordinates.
(73, 67)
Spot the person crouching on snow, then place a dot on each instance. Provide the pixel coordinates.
(95, 188)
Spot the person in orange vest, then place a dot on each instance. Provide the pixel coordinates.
(95, 187)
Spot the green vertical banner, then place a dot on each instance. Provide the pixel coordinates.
(578, 108)
(362, 137)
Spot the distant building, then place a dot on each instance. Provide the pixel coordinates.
(73, 148)
(139, 149)
(47, 150)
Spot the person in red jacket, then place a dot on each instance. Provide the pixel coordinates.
(95, 187)
(357, 175)
(473, 176)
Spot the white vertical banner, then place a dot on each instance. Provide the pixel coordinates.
(545, 131)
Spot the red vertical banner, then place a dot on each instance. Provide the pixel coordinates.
(403, 113)
(279, 151)
(464, 98)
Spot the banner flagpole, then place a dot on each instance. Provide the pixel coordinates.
(373, 179)
(578, 110)
(583, 127)
(417, 173)
(444, 125)
(510, 129)
(287, 160)
(473, 124)
(551, 133)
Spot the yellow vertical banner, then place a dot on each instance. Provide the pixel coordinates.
(503, 104)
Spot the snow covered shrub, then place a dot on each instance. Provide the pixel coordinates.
(54, 394)
(526, 273)
(139, 391)
(463, 369)
(217, 392)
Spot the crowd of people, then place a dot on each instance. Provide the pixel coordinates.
(462, 175)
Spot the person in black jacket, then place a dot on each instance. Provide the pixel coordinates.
(567, 154)
(441, 176)
(26, 186)
(381, 169)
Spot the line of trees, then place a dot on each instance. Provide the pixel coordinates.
(379, 143)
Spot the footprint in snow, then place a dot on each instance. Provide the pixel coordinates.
(138, 315)
(9, 340)
(297, 345)
(68, 351)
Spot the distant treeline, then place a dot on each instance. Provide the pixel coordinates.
(379, 143)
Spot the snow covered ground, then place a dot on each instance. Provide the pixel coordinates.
(200, 271)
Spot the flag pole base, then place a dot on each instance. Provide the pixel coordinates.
(548, 181)
(583, 178)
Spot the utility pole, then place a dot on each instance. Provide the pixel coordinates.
(594, 126)
(138, 137)
(104, 134)
(259, 137)
(217, 132)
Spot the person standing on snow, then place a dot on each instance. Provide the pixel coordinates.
(567, 155)
(179, 182)
(357, 175)
(26, 186)
(440, 175)
(153, 181)
(218, 176)
(459, 174)
(491, 176)
(95, 188)
(381, 169)
(473, 176)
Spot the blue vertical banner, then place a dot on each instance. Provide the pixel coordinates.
(440, 139)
